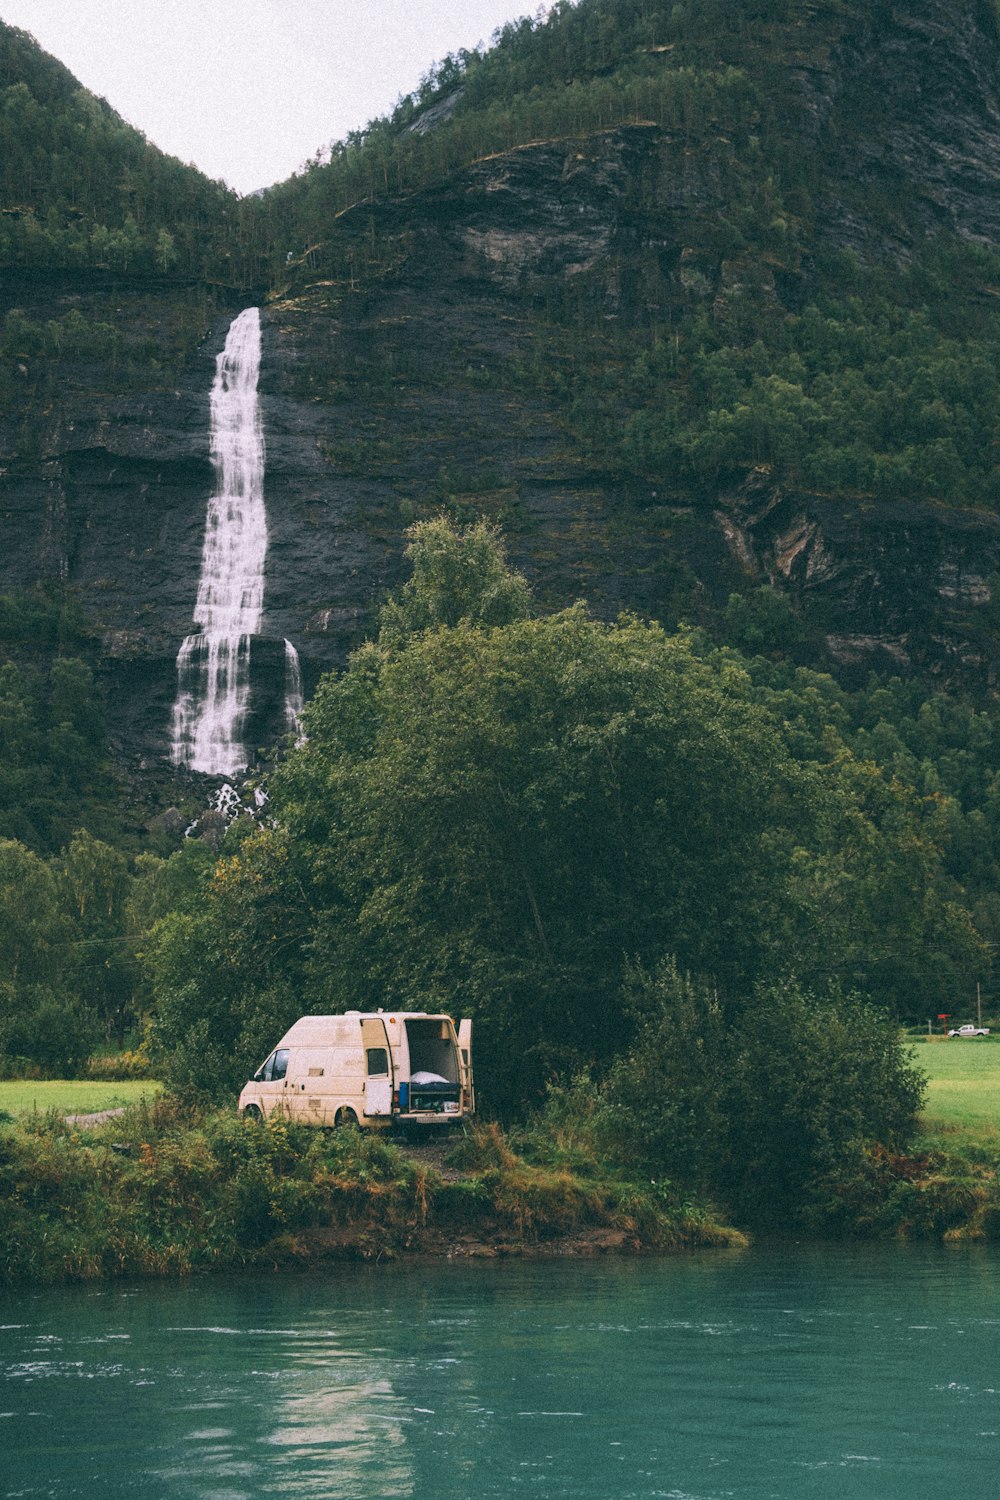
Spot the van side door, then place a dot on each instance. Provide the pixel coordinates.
(465, 1066)
(378, 1067)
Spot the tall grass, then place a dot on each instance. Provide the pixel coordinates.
(160, 1191)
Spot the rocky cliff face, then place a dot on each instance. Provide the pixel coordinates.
(386, 403)
(385, 400)
(904, 107)
(106, 472)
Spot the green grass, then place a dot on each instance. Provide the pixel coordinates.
(77, 1097)
(963, 1089)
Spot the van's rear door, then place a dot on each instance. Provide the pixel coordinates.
(378, 1067)
(465, 1066)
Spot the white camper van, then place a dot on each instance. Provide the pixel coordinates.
(368, 1068)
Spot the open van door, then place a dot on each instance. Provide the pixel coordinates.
(465, 1064)
(378, 1067)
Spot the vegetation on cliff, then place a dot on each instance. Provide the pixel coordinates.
(765, 345)
(760, 337)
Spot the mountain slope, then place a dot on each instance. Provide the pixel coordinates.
(691, 302)
(81, 188)
(768, 297)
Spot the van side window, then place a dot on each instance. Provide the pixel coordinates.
(378, 1062)
(280, 1065)
(263, 1073)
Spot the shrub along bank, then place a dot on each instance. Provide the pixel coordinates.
(946, 1184)
(164, 1191)
(161, 1191)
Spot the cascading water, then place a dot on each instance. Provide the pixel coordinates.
(213, 664)
(293, 693)
(213, 676)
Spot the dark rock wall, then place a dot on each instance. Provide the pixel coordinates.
(906, 111)
(384, 400)
(106, 474)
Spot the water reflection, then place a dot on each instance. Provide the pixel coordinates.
(788, 1373)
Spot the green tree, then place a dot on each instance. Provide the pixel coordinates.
(33, 931)
(662, 1106)
(765, 622)
(40, 1020)
(503, 816)
(166, 250)
(458, 574)
(225, 967)
(94, 886)
(807, 1074)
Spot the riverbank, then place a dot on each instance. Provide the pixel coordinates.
(159, 1191)
(155, 1190)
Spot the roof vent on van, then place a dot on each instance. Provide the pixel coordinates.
(352, 1013)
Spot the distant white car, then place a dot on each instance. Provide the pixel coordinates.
(969, 1030)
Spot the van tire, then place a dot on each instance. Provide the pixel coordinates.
(253, 1113)
(345, 1119)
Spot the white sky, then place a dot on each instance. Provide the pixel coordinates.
(248, 89)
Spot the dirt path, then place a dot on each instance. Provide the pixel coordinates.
(431, 1153)
(87, 1122)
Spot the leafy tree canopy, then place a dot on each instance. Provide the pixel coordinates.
(501, 819)
(458, 576)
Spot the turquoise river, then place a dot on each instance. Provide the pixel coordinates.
(792, 1372)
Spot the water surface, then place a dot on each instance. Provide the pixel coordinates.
(791, 1373)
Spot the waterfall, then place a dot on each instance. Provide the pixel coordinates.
(213, 664)
(293, 694)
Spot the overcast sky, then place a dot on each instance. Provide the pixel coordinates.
(248, 89)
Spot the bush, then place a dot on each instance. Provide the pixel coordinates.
(806, 1075)
(870, 1190)
(664, 1098)
(116, 1067)
(754, 1103)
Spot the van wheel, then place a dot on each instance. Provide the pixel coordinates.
(345, 1119)
(253, 1113)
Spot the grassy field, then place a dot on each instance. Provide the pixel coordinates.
(78, 1097)
(963, 1090)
